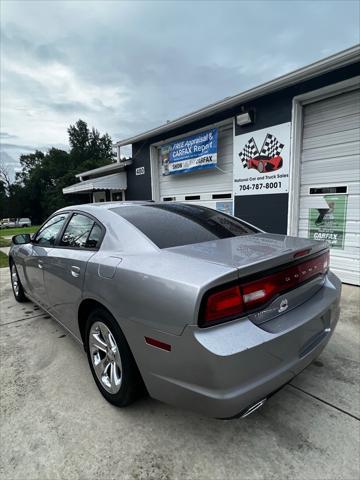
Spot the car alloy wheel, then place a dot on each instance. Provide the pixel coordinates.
(111, 361)
(18, 290)
(105, 357)
(15, 280)
(260, 167)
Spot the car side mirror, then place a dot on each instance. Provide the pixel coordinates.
(21, 239)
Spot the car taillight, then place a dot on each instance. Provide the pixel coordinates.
(223, 305)
(261, 291)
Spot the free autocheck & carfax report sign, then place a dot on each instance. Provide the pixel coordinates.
(197, 152)
(261, 163)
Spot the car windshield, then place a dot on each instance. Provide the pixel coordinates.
(174, 224)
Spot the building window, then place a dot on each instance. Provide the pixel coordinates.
(116, 196)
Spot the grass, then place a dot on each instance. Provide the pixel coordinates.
(4, 261)
(4, 242)
(10, 232)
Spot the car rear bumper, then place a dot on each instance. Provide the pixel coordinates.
(222, 370)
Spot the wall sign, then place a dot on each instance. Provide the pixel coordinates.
(328, 221)
(197, 152)
(261, 163)
(140, 171)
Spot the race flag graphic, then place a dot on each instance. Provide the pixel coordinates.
(271, 146)
(250, 150)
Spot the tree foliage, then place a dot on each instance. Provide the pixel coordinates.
(3, 199)
(37, 190)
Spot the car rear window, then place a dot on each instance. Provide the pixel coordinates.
(173, 225)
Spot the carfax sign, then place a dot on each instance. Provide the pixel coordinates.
(197, 152)
(328, 222)
(261, 163)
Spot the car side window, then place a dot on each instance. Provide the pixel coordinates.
(47, 234)
(95, 237)
(77, 232)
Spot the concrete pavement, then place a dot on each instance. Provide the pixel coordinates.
(55, 424)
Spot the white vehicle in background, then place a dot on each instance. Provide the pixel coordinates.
(15, 222)
(8, 223)
(23, 222)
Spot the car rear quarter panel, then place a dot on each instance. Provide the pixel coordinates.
(161, 290)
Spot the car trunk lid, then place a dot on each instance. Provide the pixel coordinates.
(251, 254)
(261, 256)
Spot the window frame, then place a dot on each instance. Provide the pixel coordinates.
(33, 241)
(60, 234)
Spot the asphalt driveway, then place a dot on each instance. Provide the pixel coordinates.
(56, 425)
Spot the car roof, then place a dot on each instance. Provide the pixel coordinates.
(88, 207)
(101, 210)
(108, 205)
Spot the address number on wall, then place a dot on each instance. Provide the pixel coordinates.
(140, 171)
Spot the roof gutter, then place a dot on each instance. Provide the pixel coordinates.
(325, 65)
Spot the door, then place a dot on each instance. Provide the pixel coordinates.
(36, 258)
(330, 173)
(66, 266)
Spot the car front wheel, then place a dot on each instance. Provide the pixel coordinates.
(110, 359)
(18, 290)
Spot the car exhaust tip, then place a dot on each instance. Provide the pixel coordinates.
(253, 408)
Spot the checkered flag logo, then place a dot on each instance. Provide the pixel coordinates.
(271, 146)
(250, 150)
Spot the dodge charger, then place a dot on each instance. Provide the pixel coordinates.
(198, 308)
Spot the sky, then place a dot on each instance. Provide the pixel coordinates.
(127, 66)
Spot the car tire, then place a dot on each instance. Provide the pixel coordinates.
(17, 288)
(111, 361)
(260, 167)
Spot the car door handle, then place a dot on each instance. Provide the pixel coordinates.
(75, 271)
(40, 264)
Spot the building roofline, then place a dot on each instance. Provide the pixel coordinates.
(106, 168)
(115, 181)
(333, 62)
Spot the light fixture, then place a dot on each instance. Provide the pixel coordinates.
(244, 119)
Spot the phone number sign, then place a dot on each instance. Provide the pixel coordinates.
(261, 163)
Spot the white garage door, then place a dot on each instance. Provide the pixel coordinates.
(206, 187)
(330, 174)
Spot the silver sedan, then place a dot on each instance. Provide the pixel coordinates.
(198, 308)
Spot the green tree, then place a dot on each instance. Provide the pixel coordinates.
(37, 191)
(88, 148)
(3, 199)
